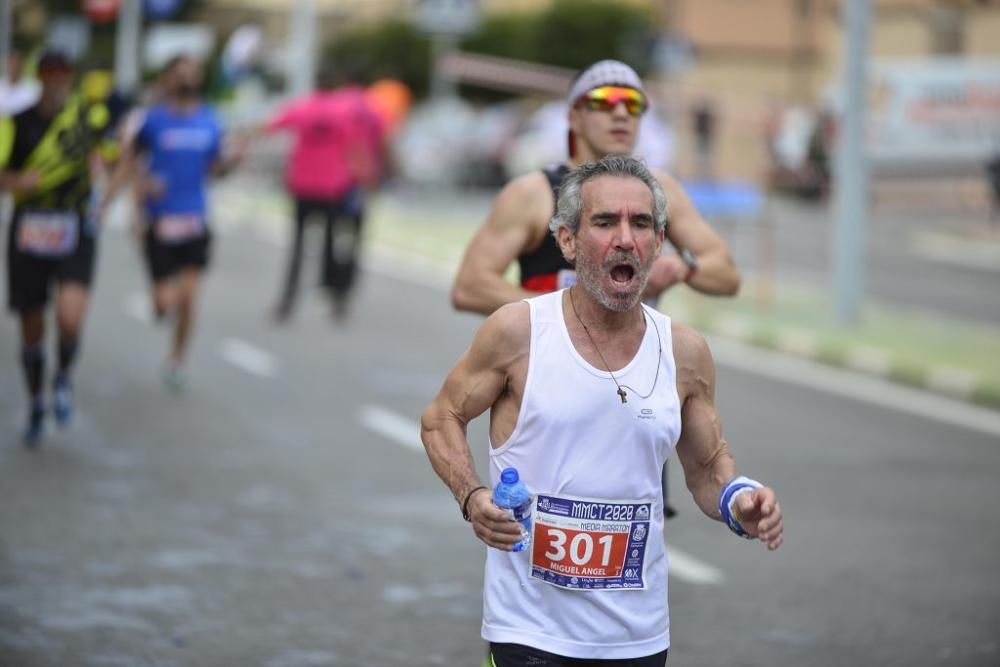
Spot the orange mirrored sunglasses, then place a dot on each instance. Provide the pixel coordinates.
(606, 98)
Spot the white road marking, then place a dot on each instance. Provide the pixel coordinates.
(249, 358)
(856, 386)
(401, 430)
(692, 570)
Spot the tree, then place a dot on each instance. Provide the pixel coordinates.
(392, 48)
(576, 33)
(513, 35)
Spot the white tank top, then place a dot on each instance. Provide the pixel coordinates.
(577, 448)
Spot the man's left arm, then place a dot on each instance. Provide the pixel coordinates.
(712, 270)
(747, 507)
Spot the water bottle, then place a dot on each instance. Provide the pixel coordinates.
(512, 495)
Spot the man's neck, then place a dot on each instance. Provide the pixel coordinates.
(598, 317)
(184, 105)
(49, 107)
(583, 157)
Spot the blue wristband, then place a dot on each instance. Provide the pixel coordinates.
(729, 492)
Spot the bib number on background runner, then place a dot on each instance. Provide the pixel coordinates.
(590, 544)
(173, 229)
(565, 278)
(48, 234)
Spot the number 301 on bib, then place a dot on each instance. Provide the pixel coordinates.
(590, 544)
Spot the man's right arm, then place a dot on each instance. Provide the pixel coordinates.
(479, 378)
(19, 181)
(286, 118)
(480, 286)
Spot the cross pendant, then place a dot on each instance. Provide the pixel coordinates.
(623, 395)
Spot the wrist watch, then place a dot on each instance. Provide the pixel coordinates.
(691, 261)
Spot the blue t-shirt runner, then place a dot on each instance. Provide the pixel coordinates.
(181, 148)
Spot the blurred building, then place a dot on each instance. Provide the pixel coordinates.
(755, 57)
(792, 48)
(749, 57)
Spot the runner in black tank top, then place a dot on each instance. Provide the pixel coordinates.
(605, 104)
(545, 268)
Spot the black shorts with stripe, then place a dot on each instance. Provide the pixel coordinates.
(30, 278)
(518, 655)
(166, 260)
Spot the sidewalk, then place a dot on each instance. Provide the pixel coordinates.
(944, 355)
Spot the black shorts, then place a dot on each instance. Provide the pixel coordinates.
(29, 277)
(165, 260)
(517, 655)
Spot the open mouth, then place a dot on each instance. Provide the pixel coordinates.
(622, 274)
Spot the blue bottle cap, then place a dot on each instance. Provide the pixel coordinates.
(509, 476)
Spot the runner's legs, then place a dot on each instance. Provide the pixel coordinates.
(188, 282)
(72, 299)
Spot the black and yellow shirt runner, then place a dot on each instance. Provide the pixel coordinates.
(49, 221)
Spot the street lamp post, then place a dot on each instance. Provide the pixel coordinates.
(851, 167)
(127, 48)
(302, 47)
(5, 35)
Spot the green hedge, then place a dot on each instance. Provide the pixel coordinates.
(389, 48)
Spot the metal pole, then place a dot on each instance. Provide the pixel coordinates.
(441, 84)
(6, 30)
(302, 47)
(127, 49)
(851, 167)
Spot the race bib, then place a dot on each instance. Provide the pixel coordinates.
(173, 229)
(590, 544)
(48, 234)
(565, 278)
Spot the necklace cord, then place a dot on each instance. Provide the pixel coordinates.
(621, 387)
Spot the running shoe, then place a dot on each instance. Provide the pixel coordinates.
(62, 402)
(173, 378)
(36, 424)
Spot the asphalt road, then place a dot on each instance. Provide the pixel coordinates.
(279, 513)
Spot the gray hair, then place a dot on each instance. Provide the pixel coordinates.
(569, 208)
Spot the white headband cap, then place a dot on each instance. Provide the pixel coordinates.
(604, 73)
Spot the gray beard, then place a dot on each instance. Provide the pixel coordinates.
(589, 277)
